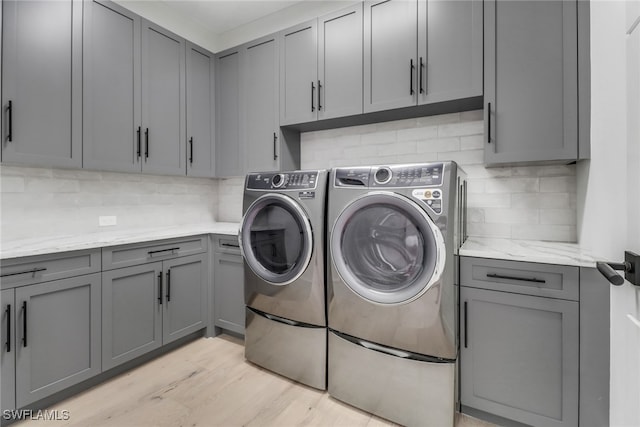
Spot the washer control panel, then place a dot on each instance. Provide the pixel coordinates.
(431, 197)
(298, 180)
(424, 175)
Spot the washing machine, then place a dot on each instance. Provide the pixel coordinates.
(392, 293)
(282, 244)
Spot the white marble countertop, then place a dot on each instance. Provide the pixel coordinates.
(54, 244)
(529, 250)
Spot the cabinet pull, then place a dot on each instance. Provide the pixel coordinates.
(421, 76)
(466, 326)
(32, 271)
(139, 142)
(411, 68)
(24, 323)
(169, 285)
(191, 150)
(229, 245)
(10, 124)
(146, 143)
(164, 250)
(319, 93)
(7, 311)
(313, 95)
(275, 140)
(489, 123)
(160, 288)
(522, 279)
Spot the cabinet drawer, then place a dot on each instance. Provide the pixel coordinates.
(546, 280)
(140, 253)
(226, 244)
(43, 268)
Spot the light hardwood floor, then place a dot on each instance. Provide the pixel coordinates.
(208, 383)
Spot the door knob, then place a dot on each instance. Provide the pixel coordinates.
(630, 266)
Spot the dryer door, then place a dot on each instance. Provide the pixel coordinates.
(276, 239)
(386, 248)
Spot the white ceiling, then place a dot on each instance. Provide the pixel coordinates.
(220, 16)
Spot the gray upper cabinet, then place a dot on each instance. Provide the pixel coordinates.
(299, 74)
(163, 101)
(8, 363)
(530, 81)
(228, 151)
(58, 336)
(185, 295)
(519, 357)
(449, 50)
(260, 129)
(339, 86)
(200, 111)
(41, 83)
(111, 88)
(390, 47)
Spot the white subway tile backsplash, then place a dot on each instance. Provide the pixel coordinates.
(532, 202)
(43, 202)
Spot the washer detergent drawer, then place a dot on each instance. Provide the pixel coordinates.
(297, 352)
(406, 391)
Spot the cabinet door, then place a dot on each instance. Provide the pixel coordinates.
(185, 296)
(229, 152)
(111, 88)
(228, 298)
(58, 336)
(390, 49)
(42, 82)
(131, 313)
(163, 101)
(260, 120)
(531, 81)
(449, 50)
(8, 364)
(200, 111)
(299, 74)
(340, 63)
(519, 357)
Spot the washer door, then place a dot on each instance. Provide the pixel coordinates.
(386, 248)
(276, 239)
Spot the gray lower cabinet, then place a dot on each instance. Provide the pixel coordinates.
(229, 152)
(520, 342)
(8, 362)
(42, 83)
(149, 305)
(530, 81)
(228, 285)
(57, 341)
(200, 111)
(519, 357)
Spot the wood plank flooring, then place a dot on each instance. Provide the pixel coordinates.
(208, 383)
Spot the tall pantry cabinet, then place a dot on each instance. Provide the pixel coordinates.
(42, 82)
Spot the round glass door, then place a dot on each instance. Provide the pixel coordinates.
(386, 248)
(276, 239)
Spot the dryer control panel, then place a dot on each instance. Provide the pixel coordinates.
(298, 180)
(425, 175)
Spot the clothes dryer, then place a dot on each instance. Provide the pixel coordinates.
(394, 233)
(282, 243)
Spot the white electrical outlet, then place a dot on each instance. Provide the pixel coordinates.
(106, 221)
